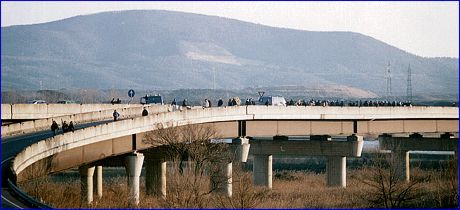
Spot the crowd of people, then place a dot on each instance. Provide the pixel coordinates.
(235, 101)
(65, 127)
(358, 103)
(113, 101)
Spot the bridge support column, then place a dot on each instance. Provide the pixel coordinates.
(400, 164)
(133, 165)
(221, 178)
(98, 183)
(336, 170)
(240, 146)
(86, 179)
(155, 177)
(262, 170)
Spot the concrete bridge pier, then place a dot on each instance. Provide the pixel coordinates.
(336, 170)
(400, 163)
(86, 183)
(133, 165)
(221, 178)
(262, 170)
(155, 177)
(400, 146)
(98, 181)
(240, 147)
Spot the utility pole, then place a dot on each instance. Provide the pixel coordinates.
(213, 78)
(409, 84)
(388, 77)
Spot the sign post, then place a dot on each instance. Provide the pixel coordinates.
(131, 94)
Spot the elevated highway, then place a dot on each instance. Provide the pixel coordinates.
(121, 137)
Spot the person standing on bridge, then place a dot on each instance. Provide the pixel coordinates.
(116, 115)
(54, 127)
(145, 112)
(65, 127)
(220, 102)
(71, 128)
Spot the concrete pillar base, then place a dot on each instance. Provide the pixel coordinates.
(336, 170)
(155, 177)
(99, 181)
(86, 178)
(221, 178)
(241, 149)
(133, 165)
(262, 170)
(400, 163)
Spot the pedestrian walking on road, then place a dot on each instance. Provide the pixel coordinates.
(116, 115)
(206, 103)
(71, 128)
(145, 112)
(65, 127)
(54, 127)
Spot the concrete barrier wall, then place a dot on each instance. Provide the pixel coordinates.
(111, 130)
(6, 111)
(44, 124)
(357, 113)
(39, 111)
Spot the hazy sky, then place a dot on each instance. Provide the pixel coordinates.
(424, 28)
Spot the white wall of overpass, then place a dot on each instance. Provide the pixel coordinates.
(44, 124)
(40, 111)
(122, 128)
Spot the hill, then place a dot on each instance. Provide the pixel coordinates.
(173, 50)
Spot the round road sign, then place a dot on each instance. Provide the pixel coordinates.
(131, 93)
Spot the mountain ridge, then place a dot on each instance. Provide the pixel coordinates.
(173, 50)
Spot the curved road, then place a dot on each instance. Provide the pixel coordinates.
(11, 146)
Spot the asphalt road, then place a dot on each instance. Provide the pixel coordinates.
(11, 146)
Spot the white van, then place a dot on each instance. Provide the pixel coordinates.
(37, 102)
(272, 100)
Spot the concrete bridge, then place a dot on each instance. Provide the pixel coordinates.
(91, 144)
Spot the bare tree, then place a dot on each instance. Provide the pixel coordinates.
(245, 194)
(189, 184)
(447, 193)
(386, 189)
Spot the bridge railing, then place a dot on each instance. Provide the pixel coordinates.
(357, 113)
(44, 124)
(30, 200)
(40, 111)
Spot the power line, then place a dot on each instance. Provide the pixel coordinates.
(388, 78)
(409, 84)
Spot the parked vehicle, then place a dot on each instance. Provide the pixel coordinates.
(67, 102)
(272, 101)
(37, 102)
(155, 99)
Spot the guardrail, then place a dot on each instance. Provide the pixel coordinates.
(29, 200)
(40, 111)
(43, 124)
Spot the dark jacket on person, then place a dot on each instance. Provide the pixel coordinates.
(145, 112)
